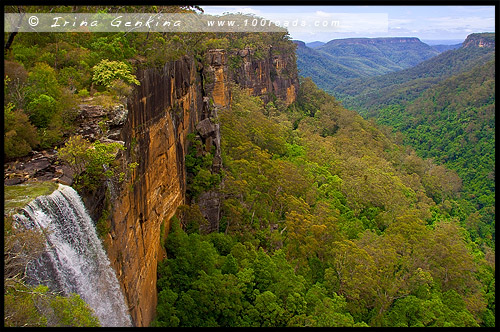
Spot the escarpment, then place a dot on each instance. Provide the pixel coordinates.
(480, 40)
(270, 75)
(172, 102)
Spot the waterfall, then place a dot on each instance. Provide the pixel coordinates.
(75, 260)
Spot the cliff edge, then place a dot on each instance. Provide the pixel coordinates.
(172, 102)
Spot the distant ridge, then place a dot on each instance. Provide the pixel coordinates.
(380, 40)
(339, 60)
(486, 39)
(433, 42)
(444, 48)
(371, 93)
(315, 44)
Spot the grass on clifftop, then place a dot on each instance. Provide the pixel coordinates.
(18, 196)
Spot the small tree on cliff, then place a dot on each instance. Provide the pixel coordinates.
(106, 72)
(115, 76)
(92, 162)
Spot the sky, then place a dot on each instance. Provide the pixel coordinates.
(424, 22)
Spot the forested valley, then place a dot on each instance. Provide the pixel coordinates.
(327, 219)
(326, 222)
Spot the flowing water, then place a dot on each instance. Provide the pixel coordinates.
(75, 261)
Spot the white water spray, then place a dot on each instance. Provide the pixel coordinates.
(75, 261)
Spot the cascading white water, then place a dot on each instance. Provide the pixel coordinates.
(75, 261)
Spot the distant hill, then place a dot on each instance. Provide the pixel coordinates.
(381, 54)
(331, 64)
(324, 69)
(366, 95)
(315, 44)
(434, 42)
(444, 48)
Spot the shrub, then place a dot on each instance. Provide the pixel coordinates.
(105, 72)
(92, 162)
(41, 110)
(83, 93)
(121, 89)
(42, 79)
(37, 306)
(20, 135)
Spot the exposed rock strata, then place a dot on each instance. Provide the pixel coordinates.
(181, 98)
(480, 40)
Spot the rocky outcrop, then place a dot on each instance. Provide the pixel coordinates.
(480, 40)
(272, 75)
(38, 166)
(209, 131)
(164, 109)
(180, 98)
(92, 122)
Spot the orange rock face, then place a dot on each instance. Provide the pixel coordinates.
(274, 75)
(163, 110)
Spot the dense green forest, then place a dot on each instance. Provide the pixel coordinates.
(327, 219)
(445, 109)
(326, 222)
(454, 123)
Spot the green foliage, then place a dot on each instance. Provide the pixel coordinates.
(414, 312)
(42, 110)
(102, 225)
(37, 307)
(190, 218)
(83, 93)
(199, 169)
(42, 79)
(38, 94)
(106, 72)
(20, 136)
(115, 47)
(453, 123)
(92, 162)
(199, 286)
(27, 55)
(306, 218)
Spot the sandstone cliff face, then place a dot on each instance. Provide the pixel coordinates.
(170, 103)
(480, 40)
(271, 75)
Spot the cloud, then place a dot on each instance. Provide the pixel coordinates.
(449, 23)
(473, 9)
(398, 21)
(446, 26)
(323, 14)
(218, 10)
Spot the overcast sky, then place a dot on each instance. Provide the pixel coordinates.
(424, 22)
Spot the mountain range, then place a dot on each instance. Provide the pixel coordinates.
(340, 60)
(367, 94)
